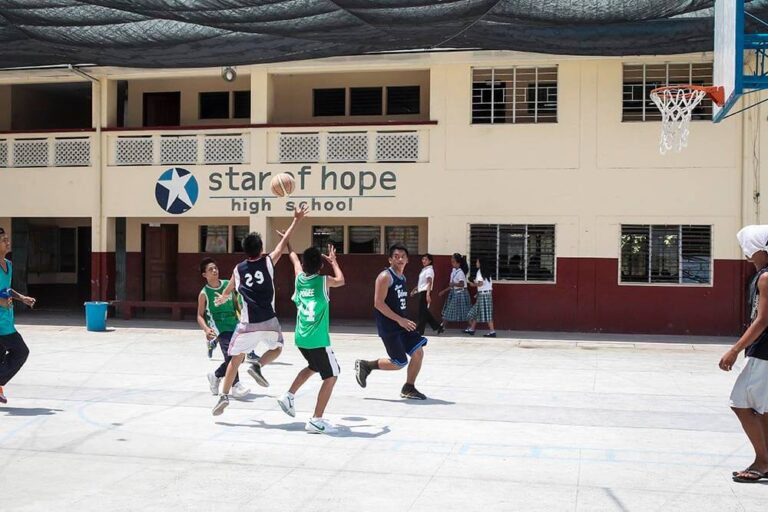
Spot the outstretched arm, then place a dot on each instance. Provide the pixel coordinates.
(298, 214)
(223, 296)
(338, 277)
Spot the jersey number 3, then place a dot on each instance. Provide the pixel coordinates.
(258, 276)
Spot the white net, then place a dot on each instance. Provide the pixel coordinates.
(676, 105)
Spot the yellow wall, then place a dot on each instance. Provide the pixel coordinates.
(588, 173)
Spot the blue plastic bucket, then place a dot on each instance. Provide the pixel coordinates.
(96, 316)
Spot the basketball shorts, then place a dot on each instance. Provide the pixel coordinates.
(401, 344)
(248, 336)
(321, 360)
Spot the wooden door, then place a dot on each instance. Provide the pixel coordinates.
(160, 258)
(162, 108)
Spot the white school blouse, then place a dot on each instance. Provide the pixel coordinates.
(485, 285)
(425, 274)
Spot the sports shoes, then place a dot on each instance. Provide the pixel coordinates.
(412, 393)
(441, 329)
(490, 335)
(239, 390)
(252, 358)
(362, 372)
(3, 400)
(214, 381)
(255, 371)
(319, 426)
(469, 331)
(286, 404)
(220, 405)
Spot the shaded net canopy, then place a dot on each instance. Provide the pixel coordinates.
(194, 33)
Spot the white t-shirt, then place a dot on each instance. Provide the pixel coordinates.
(425, 274)
(485, 285)
(458, 275)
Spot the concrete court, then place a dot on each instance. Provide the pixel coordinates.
(120, 421)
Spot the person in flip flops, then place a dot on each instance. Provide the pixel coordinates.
(749, 398)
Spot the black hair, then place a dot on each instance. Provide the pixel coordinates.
(429, 257)
(397, 247)
(485, 270)
(311, 260)
(462, 262)
(204, 264)
(253, 245)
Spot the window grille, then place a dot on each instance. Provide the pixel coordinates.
(514, 95)
(640, 79)
(516, 252)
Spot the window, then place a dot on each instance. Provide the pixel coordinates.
(324, 235)
(514, 95)
(516, 252)
(365, 101)
(329, 102)
(238, 233)
(365, 239)
(640, 79)
(406, 235)
(403, 100)
(666, 254)
(214, 239)
(242, 105)
(214, 105)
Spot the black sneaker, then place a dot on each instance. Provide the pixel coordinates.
(412, 393)
(469, 331)
(252, 358)
(490, 335)
(220, 405)
(255, 371)
(362, 372)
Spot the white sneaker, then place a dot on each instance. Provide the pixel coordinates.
(240, 391)
(214, 381)
(286, 404)
(319, 426)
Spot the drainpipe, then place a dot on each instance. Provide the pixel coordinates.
(101, 288)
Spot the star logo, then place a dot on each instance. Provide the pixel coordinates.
(176, 190)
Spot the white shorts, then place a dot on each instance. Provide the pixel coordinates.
(751, 388)
(248, 336)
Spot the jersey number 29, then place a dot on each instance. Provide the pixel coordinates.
(258, 276)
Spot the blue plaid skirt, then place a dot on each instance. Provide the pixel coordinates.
(482, 311)
(457, 305)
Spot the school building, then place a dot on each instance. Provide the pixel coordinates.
(116, 182)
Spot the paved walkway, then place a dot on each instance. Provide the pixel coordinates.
(120, 421)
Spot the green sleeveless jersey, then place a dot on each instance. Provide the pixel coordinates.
(219, 318)
(312, 316)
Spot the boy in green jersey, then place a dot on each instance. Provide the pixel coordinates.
(218, 323)
(312, 331)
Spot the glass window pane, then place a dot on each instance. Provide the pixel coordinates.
(665, 247)
(634, 254)
(697, 254)
(365, 101)
(324, 235)
(239, 232)
(364, 240)
(483, 241)
(403, 100)
(512, 252)
(214, 105)
(242, 109)
(541, 253)
(214, 239)
(329, 102)
(406, 235)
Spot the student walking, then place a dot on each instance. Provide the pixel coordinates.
(482, 310)
(424, 290)
(457, 305)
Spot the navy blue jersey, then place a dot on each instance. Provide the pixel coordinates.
(758, 349)
(397, 296)
(254, 282)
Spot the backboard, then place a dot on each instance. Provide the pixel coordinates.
(728, 67)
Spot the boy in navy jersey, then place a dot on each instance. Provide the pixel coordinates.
(254, 280)
(398, 333)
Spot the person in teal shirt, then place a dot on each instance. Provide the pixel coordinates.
(13, 350)
(312, 332)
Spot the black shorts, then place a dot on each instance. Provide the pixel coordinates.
(402, 344)
(321, 360)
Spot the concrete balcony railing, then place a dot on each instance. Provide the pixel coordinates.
(61, 149)
(171, 147)
(349, 144)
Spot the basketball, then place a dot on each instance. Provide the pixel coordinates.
(282, 184)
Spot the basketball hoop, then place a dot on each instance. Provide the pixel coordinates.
(676, 103)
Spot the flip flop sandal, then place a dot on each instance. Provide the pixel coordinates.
(734, 473)
(753, 473)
